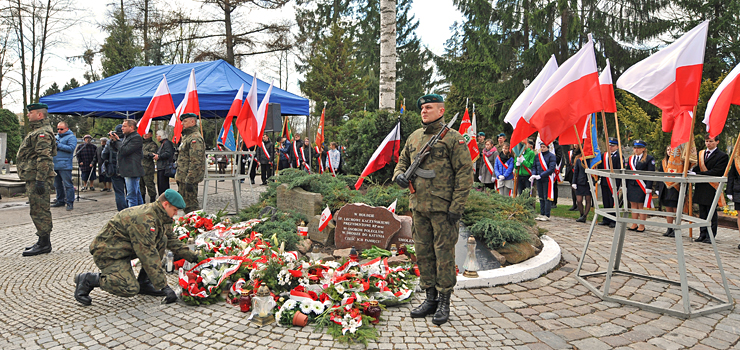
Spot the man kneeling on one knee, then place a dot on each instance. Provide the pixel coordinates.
(140, 232)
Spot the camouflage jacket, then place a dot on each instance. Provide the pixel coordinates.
(141, 232)
(191, 161)
(450, 160)
(35, 156)
(147, 161)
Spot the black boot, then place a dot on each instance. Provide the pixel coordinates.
(573, 208)
(443, 309)
(428, 307)
(669, 233)
(34, 245)
(43, 247)
(86, 282)
(581, 219)
(146, 287)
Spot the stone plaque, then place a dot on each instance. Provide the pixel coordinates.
(299, 200)
(363, 226)
(405, 235)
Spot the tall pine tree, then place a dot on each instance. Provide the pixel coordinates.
(120, 52)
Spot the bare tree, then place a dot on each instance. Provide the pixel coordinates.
(387, 55)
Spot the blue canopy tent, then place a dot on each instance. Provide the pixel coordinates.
(127, 94)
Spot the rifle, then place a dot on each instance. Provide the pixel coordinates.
(413, 169)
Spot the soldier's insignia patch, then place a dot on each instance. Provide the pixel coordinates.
(461, 141)
(194, 141)
(41, 135)
(152, 229)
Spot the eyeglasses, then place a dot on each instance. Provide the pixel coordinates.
(60, 128)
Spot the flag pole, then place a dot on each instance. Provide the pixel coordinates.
(619, 142)
(732, 156)
(606, 136)
(686, 168)
(580, 145)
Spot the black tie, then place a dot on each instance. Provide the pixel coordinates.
(707, 155)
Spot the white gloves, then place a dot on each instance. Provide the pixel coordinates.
(480, 178)
(657, 192)
(574, 186)
(691, 172)
(531, 178)
(501, 177)
(520, 159)
(518, 163)
(729, 196)
(536, 177)
(648, 191)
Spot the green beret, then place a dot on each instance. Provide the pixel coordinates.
(174, 198)
(34, 106)
(481, 133)
(429, 99)
(188, 115)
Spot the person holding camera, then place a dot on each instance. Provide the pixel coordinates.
(110, 153)
(129, 161)
(191, 161)
(36, 168)
(142, 232)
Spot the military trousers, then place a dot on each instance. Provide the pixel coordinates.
(190, 197)
(146, 185)
(40, 209)
(434, 241)
(117, 277)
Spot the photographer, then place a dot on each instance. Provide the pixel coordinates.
(110, 153)
(129, 161)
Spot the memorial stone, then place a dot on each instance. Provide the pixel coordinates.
(299, 200)
(325, 237)
(363, 227)
(405, 235)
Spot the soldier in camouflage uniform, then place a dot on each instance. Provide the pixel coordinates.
(437, 205)
(140, 232)
(36, 168)
(191, 162)
(149, 148)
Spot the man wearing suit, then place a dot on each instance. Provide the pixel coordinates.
(609, 185)
(712, 162)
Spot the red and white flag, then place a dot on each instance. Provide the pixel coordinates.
(607, 89)
(236, 107)
(522, 129)
(392, 207)
(320, 133)
(161, 104)
(386, 152)
(467, 130)
(728, 93)
(189, 104)
(259, 130)
(670, 79)
(572, 92)
(325, 218)
(246, 118)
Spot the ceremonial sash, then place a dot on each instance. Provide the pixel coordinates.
(558, 171)
(331, 167)
(550, 179)
(489, 165)
(295, 153)
(703, 167)
(318, 156)
(264, 150)
(648, 202)
(606, 167)
(305, 163)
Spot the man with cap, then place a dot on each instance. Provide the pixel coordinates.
(146, 185)
(36, 168)
(86, 153)
(437, 205)
(501, 138)
(608, 186)
(191, 162)
(142, 232)
(712, 162)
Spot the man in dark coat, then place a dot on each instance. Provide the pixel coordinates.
(712, 162)
(164, 157)
(110, 153)
(608, 185)
(264, 157)
(103, 180)
(129, 161)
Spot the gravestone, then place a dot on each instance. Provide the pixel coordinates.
(298, 200)
(363, 226)
(486, 260)
(405, 235)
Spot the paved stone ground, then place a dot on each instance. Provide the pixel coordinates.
(551, 312)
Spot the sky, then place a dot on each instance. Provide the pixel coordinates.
(434, 24)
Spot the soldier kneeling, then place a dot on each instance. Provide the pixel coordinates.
(139, 232)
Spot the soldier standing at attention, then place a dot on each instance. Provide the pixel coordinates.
(146, 184)
(437, 205)
(142, 232)
(191, 163)
(36, 168)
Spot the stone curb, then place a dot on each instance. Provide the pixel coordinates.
(530, 269)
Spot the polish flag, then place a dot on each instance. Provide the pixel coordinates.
(259, 131)
(392, 207)
(189, 104)
(670, 79)
(607, 89)
(572, 92)
(246, 120)
(570, 137)
(386, 152)
(468, 133)
(522, 129)
(161, 104)
(728, 93)
(234, 110)
(325, 218)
